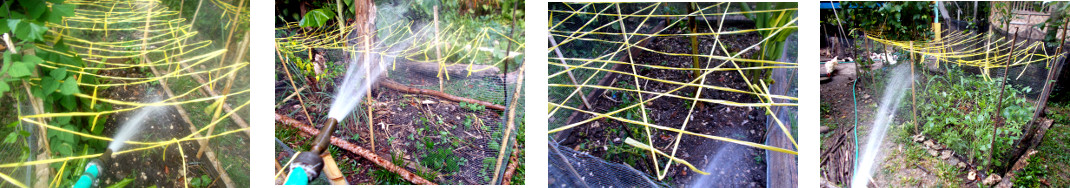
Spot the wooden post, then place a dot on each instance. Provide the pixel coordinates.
(913, 97)
(364, 17)
(331, 171)
(226, 90)
(438, 53)
(570, 76)
(999, 104)
(694, 49)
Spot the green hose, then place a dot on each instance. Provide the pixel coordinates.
(854, 96)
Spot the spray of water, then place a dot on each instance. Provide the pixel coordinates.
(132, 126)
(718, 162)
(364, 70)
(898, 83)
(360, 76)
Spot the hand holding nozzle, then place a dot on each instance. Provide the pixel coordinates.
(307, 165)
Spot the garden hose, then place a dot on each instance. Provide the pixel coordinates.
(854, 96)
(92, 171)
(307, 165)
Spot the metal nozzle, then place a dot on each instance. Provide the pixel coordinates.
(324, 138)
(106, 156)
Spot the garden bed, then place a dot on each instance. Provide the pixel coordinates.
(404, 126)
(157, 167)
(604, 138)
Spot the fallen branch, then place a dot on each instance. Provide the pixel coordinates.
(366, 154)
(514, 162)
(397, 86)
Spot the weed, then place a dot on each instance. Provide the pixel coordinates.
(440, 158)
(473, 106)
(468, 123)
(196, 182)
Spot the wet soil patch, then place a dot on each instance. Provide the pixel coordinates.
(161, 167)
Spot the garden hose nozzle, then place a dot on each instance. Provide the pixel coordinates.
(324, 138)
(307, 165)
(92, 171)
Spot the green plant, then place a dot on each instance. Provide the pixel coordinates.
(771, 49)
(488, 168)
(202, 181)
(316, 18)
(386, 177)
(473, 106)
(468, 122)
(958, 114)
(896, 20)
(127, 181)
(1032, 175)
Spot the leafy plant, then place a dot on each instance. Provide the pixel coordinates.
(386, 177)
(958, 114)
(473, 106)
(896, 20)
(199, 182)
(316, 18)
(440, 158)
(771, 49)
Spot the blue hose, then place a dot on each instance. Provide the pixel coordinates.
(297, 177)
(92, 170)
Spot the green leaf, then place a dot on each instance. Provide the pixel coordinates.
(68, 102)
(122, 184)
(32, 59)
(4, 88)
(34, 8)
(20, 69)
(30, 31)
(59, 73)
(13, 23)
(70, 86)
(49, 85)
(11, 137)
(316, 18)
(7, 62)
(58, 12)
(64, 149)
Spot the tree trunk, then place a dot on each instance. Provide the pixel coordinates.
(1053, 21)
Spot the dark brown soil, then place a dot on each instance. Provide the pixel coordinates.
(397, 117)
(743, 123)
(161, 167)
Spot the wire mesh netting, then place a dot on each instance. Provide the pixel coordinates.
(127, 56)
(973, 94)
(628, 65)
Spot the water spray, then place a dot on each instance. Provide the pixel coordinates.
(95, 168)
(307, 165)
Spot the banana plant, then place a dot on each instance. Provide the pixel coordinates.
(771, 49)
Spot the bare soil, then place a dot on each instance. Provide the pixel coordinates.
(156, 167)
(743, 123)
